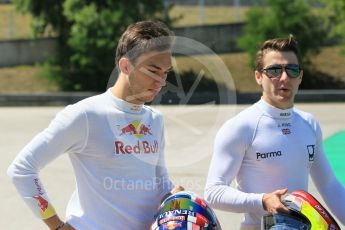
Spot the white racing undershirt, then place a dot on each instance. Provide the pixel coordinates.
(117, 153)
(264, 149)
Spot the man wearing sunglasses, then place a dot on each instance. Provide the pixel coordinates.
(271, 147)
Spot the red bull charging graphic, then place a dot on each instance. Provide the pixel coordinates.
(137, 129)
(46, 209)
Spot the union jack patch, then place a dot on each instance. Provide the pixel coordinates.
(286, 131)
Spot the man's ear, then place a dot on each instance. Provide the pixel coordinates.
(301, 77)
(258, 77)
(124, 65)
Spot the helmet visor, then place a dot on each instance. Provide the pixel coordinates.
(284, 222)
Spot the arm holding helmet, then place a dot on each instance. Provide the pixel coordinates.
(230, 146)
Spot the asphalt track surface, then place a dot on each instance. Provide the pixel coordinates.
(190, 131)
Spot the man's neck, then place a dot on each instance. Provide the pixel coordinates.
(278, 105)
(122, 91)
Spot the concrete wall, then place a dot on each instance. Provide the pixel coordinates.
(215, 2)
(25, 52)
(219, 38)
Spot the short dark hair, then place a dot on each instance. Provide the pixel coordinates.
(277, 44)
(142, 37)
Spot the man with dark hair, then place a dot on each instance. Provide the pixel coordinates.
(271, 147)
(114, 141)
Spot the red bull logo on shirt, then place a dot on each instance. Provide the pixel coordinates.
(139, 147)
(46, 209)
(136, 128)
(42, 203)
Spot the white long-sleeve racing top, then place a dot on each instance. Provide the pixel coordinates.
(117, 153)
(264, 149)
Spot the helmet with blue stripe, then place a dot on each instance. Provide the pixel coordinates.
(185, 211)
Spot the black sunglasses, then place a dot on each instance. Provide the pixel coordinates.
(276, 70)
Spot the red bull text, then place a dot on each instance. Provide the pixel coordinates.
(139, 147)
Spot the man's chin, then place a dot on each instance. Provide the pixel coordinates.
(285, 101)
(141, 99)
(285, 95)
(146, 99)
(150, 97)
